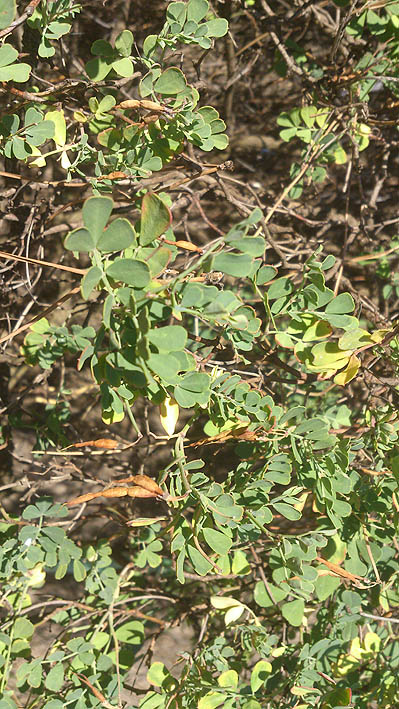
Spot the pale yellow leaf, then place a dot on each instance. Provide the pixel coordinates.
(169, 414)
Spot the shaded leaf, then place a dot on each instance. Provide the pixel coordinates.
(96, 212)
(168, 338)
(7, 13)
(171, 82)
(219, 542)
(131, 271)
(155, 219)
(343, 303)
(118, 236)
(55, 678)
(293, 612)
(90, 280)
(239, 265)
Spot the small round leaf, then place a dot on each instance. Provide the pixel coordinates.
(130, 271)
(79, 240)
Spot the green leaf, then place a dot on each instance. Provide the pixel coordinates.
(284, 340)
(240, 565)
(264, 599)
(8, 54)
(39, 133)
(157, 674)
(325, 586)
(99, 67)
(124, 42)
(23, 628)
(340, 697)
(308, 327)
(90, 280)
(96, 212)
(265, 274)
(233, 614)
(343, 303)
(225, 507)
(287, 511)
(20, 148)
(156, 218)
(55, 678)
(105, 104)
(193, 389)
(58, 29)
(171, 82)
(7, 702)
(58, 118)
(168, 338)
(228, 679)
(166, 367)
(197, 9)
(79, 570)
(153, 700)
(200, 564)
(211, 700)
(14, 72)
(35, 676)
(131, 632)
(150, 44)
(79, 240)
(308, 115)
(118, 236)
(220, 142)
(45, 48)
(176, 12)
(293, 612)
(346, 322)
(238, 265)
(131, 271)
(327, 355)
(102, 48)
(124, 67)
(252, 245)
(219, 542)
(7, 13)
(279, 288)
(259, 675)
(217, 28)
(157, 259)
(355, 338)
(279, 468)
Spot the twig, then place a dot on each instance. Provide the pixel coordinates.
(45, 312)
(38, 262)
(292, 67)
(317, 150)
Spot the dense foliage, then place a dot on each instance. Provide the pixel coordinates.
(244, 384)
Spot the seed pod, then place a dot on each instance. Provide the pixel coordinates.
(148, 484)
